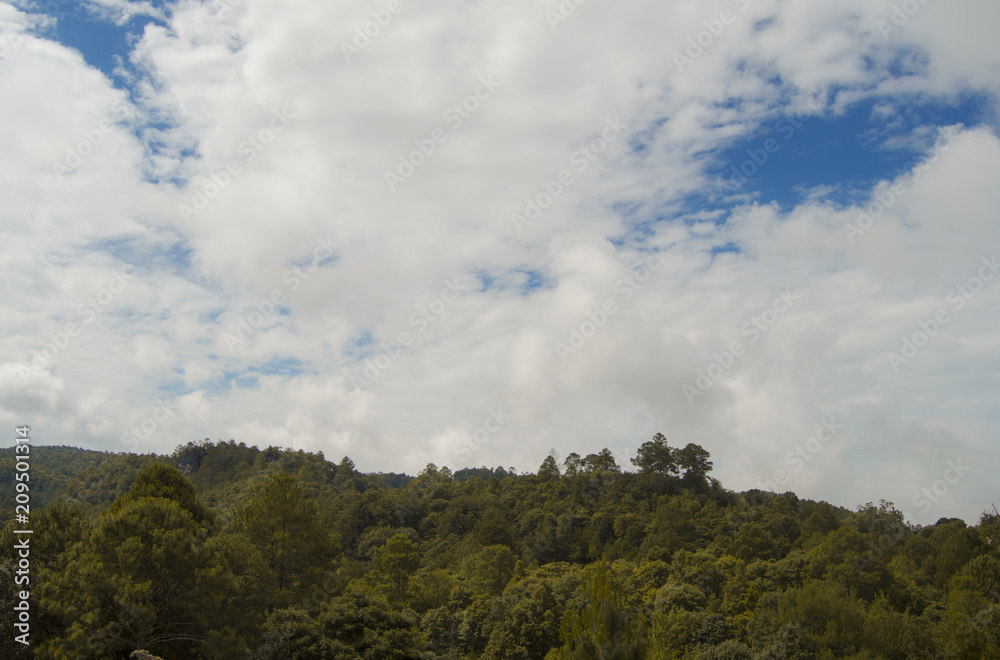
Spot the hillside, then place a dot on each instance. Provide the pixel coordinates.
(226, 551)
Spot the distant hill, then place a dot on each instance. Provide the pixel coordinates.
(229, 551)
(217, 470)
(52, 468)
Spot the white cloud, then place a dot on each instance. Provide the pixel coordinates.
(213, 81)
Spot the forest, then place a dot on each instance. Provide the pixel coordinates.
(221, 550)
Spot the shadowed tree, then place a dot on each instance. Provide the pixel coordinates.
(393, 563)
(605, 628)
(490, 569)
(694, 462)
(549, 469)
(656, 457)
(603, 461)
(134, 580)
(572, 464)
(278, 545)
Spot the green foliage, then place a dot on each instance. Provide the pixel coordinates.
(277, 548)
(132, 581)
(657, 457)
(549, 469)
(228, 551)
(489, 570)
(52, 468)
(392, 565)
(830, 618)
(353, 626)
(604, 627)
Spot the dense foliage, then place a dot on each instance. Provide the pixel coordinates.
(228, 551)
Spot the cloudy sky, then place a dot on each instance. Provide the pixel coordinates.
(477, 233)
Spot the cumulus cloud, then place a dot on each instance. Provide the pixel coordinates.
(289, 231)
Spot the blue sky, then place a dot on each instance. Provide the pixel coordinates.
(206, 204)
(850, 150)
(104, 41)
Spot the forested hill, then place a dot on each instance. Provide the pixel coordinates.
(226, 551)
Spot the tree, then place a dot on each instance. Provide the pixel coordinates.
(346, 476)
(393, 564)
(604, 461)
(493, 528)
(957, 634)
(164, 481)
(572, 464)
(830, 617)
(656, 457)
(135, 580)
(549, 469)
(354, 626)
(277, 545)
(490, 569)
(604, 628)
(694, 461)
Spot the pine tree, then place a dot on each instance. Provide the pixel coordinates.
(604, 629)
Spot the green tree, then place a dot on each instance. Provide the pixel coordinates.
(490, 569)
(694, 461)
(831, 619)
(134, 582)
(656, 457)
(354, 626)
(277, 545)
(572, 465)
(604, 628)
(958, 634)
(549, 469)
(393, 563)
(603, 461)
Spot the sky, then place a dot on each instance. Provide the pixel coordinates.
(482, 233)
